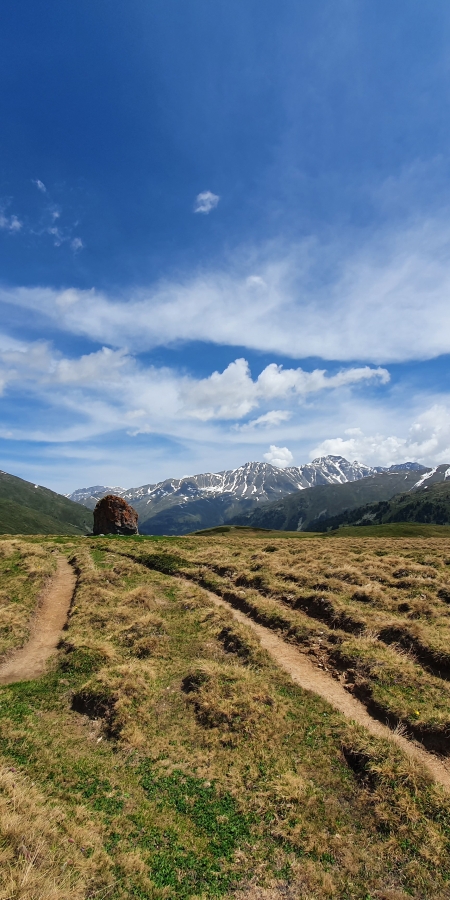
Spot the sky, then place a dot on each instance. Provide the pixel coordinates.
(224, 236)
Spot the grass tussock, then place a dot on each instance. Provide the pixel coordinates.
(379, 618)
(230, 698)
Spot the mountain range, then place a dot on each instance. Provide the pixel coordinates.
(328, 507)
(179, 506)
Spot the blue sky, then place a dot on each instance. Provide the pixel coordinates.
(224, 228)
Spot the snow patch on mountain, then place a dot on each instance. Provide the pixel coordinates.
(256, 481)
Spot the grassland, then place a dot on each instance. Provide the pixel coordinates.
(165, 755)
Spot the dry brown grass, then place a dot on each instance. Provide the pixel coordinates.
(377, 612)
(209, 721)
(42, 854)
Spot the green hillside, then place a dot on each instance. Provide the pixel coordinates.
(425, 506)
(26, 508)
(306, 510)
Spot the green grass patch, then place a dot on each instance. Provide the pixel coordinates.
(397, 530)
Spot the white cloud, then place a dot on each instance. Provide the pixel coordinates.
(112, 390)
(385, 302)
(10, 223)
(255, 281)
(40, 185)
(205, 202)
(76, 244)
(232, 394)
(426, 440)
(279, 456)
(271, 419)
(57, 235)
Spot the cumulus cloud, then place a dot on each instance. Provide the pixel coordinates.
(110, 391)
(232, 394)
(40, 185)
(426, 439)
(280, 457)
(205, 202)
(76, 244)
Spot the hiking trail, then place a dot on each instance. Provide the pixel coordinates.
(49, 619)
(304, 673)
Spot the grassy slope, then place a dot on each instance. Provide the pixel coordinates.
(302, 508)
(26, 509)
(193, 766)
(428, 505)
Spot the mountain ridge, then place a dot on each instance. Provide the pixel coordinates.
(330, 506)
(177, 506)
(28, 508)
(427, 504)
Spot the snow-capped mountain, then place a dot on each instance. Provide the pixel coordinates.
(180, 505)
(254, 479)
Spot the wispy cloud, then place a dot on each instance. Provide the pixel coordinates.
(387, 302)
(10, 223)
(46, 223)
(205, 202)
(271, 419)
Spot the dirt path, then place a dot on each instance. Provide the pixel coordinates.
(303, 671)
(30, 661)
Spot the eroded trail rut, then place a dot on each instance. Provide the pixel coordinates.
(50, 617)
(303, 672)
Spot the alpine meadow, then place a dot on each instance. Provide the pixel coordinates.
(241, 714)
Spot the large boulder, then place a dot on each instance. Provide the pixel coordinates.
(113, 515)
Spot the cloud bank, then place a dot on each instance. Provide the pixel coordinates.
(427, 439)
